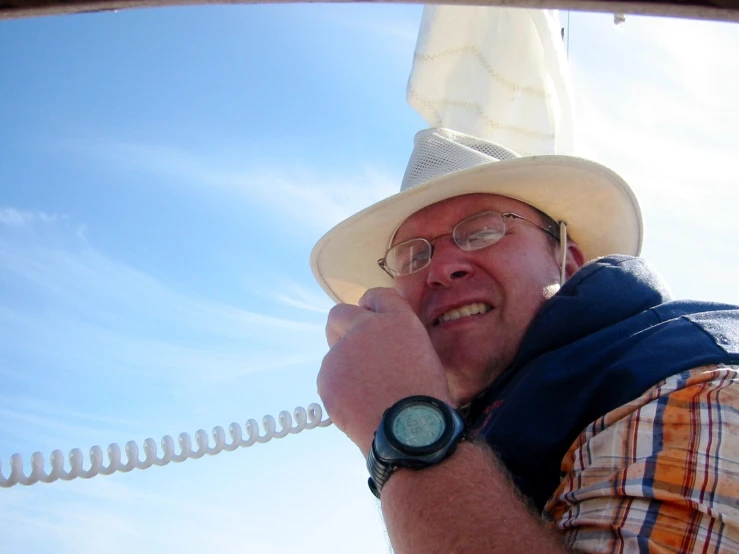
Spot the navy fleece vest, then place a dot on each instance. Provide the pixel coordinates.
(605, 338)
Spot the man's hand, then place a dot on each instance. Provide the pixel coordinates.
(380, 353)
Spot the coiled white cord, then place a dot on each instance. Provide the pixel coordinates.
(304, 419)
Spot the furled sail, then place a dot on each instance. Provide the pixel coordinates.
(497, 73)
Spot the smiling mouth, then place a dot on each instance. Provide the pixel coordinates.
(476, 308)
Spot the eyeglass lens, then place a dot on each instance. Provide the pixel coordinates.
(473, 233)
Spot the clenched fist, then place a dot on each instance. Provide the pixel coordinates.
(380, 353)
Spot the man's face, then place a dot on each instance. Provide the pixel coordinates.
(513, 278)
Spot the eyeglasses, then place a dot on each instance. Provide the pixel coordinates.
(474, 233)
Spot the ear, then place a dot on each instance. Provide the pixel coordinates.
(575, 258)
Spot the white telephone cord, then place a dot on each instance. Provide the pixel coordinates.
(305, 419)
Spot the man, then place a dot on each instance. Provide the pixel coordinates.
(582, 394)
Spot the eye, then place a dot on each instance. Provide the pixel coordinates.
(482, 238)
(479, 231)
(414, 259)
(410, 256)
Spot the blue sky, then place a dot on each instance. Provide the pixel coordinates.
(164, 176)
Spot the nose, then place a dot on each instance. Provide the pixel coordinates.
(448, 264)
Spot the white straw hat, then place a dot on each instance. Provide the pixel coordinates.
(601, 211)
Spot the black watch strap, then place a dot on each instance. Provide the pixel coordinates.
(379, 472)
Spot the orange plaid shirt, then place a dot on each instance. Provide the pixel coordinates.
(659, 474)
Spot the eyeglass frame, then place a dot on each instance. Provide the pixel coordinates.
(382, 262)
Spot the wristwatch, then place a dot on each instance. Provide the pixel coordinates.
(416, 432)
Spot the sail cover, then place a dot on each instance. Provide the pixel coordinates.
(497, 73)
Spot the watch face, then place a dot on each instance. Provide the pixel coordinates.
(418, 425)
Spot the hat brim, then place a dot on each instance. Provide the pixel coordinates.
(601, 212)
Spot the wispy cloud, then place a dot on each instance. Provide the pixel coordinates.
(298, 296)
(314, 199)
(310, 198)
(11, 217)
(80, 305)
(49, 425)
(62, 425)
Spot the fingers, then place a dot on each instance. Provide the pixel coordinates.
(341, 319)
(383, 300)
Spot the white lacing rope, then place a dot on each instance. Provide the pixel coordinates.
(305, 419)
(563, 247)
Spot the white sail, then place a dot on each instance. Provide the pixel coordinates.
(496, 73)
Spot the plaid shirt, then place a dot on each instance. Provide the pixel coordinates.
(659, 474)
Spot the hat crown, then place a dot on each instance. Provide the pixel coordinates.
(439, 152)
